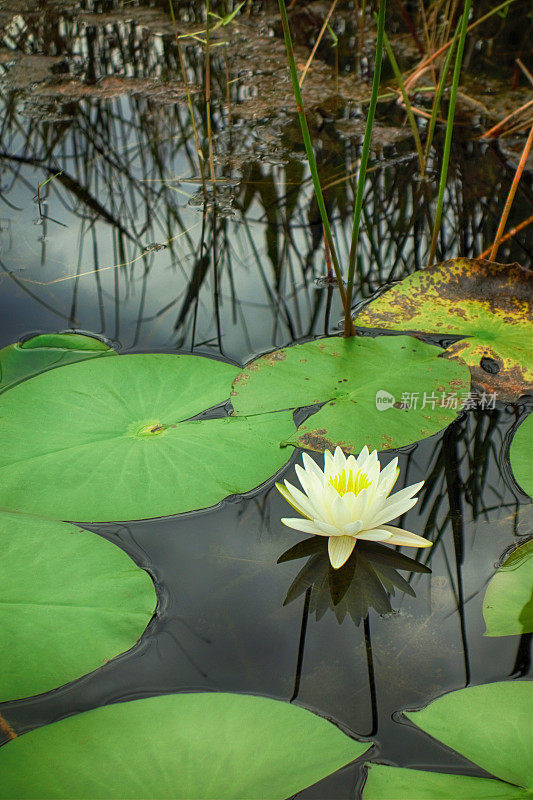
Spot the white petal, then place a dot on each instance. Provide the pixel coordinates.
(326, 529)
(340, 511)
(352, 528)
(339, 460)
(329, 467)
(301, 500)
(391, 511)
(304, 525)
(340, 549)
(372, 472)
(406, 493)
(350, 503)
(373, 458)
(375, 535)
(406, 538)
(311, 485)
(388, 477)
(328, 496)
(362, 458)
(312, 467)
(351, 464)
(287, 493)
(360, 505)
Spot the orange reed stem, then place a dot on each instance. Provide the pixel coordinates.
(509, 235)
(510, 196)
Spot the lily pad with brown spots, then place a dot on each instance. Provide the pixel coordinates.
(489, 304)
(384, 393)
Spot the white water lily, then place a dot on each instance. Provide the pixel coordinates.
(350, 500)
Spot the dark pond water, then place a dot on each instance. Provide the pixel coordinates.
(120, 244)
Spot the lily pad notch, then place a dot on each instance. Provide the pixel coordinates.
(23, 360)
(486, 724)
(116, 435)
(364, 401)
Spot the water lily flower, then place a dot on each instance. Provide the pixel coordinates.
(350, 500)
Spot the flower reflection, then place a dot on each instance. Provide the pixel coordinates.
(350, 500)
(367, 579)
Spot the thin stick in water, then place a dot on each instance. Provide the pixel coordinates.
(510, 196)
(509, 235)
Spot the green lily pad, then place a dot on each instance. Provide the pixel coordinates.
(487, 724)
(488, 303)
(110, 439)
(23, 360)
(366, 401)
(521, 455)
(69, 601)
(508, 602)
(185, 747)
(385, 783)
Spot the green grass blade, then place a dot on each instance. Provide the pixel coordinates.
(407, 102)
(189, 99)
(310, 152)
(438, 95)
(449, 131)
(348, 326)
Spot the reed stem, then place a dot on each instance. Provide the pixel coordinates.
(365, 152)
(438, 97)
(208, 93)
(510, 196)
(449, 131)
(407, 103)
(189, 100)
(310, 153)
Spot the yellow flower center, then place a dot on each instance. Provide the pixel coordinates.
(348, 481)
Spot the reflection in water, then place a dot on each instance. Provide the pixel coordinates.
(94, 114)
(367, 580)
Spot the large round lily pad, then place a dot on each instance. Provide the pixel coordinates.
(205, 746)
(384, 393)
(521, 455)
(487, 724)
(111, 439)
(23, 360)
(508, 602)
(489, 304)
(69, 601)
